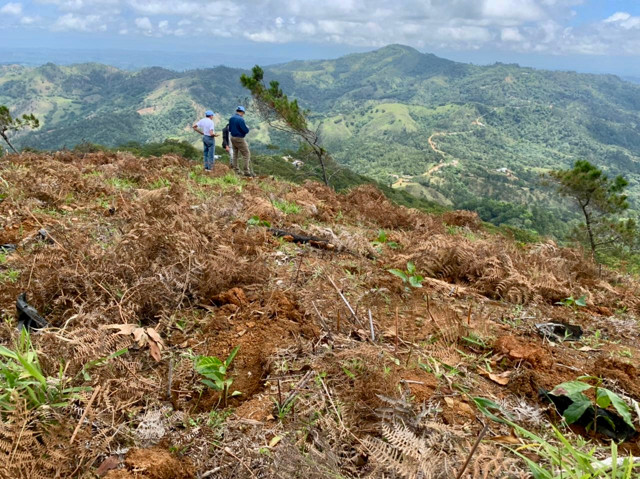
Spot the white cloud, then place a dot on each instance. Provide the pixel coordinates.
(87, 6)
(26, 20)
(11, 9)
(618, 17)
(511, 34)
(144, 23)
(167, 7)
(513, 10)
(545, 26)
(81, 23)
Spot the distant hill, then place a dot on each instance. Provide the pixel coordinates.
(464, 135)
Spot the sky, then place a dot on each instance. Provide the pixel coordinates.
(585, 35)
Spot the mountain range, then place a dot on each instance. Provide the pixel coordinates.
(460, 134)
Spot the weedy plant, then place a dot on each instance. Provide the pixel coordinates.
(216, 373)
(574, 390)
(160, 183)
(287, 207)
(410, 276)
(383, 240)
(256, 221)
(22, 379)
(9, 276)
(562, 459)
(122, 183)
(573, 303)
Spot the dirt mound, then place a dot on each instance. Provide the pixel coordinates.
(153, 464)
(145, 268)
(466, 219)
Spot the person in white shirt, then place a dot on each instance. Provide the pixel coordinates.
(206, 128)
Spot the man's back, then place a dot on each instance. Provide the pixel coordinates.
(237, 126)
(207, 126)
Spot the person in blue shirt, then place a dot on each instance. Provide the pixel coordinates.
(238, 130)
(206, 128)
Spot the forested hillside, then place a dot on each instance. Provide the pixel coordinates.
(474, 137)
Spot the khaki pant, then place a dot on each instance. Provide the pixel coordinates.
(240, 147)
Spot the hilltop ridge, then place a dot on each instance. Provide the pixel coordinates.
(441, 130)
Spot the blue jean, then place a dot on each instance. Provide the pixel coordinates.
(209, 149)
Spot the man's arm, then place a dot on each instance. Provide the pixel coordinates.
(195, 128)
(244, 127)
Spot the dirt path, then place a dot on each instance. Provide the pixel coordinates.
(444, 155)
(433, 145)
(439, 166)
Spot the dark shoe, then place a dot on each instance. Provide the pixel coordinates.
(250, 175)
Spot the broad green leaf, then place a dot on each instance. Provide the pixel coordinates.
(603, 400)
(415, 281)
(400, 274)
(411, 267)
(382, 237)
(581, 301)
(623, 409)
(236, 393)
(569, 388)
(574, 412)
(211, 384)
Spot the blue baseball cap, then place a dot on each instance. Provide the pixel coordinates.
(208, 113)
(240, 108)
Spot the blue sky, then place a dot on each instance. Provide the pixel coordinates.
(586, 35)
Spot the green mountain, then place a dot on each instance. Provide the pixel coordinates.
(464, 135)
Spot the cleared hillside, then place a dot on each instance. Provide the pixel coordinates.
(142, 266)
(376, 112)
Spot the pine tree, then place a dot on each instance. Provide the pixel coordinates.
(9, 124)
(284, 114)
(600, 200)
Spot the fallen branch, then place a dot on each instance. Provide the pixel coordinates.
(373, 334)
(303, 382)
(296, 238)
(353, 313)
(84, 414)
(322, 320)
(473, 450)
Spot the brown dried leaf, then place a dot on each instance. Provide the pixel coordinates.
(124, 329)
(153, 334)
(111, 462)
(154, 349)
(511, 439)
(502, 378)
(140, 336)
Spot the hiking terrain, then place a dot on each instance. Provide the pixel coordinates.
(147, 269)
